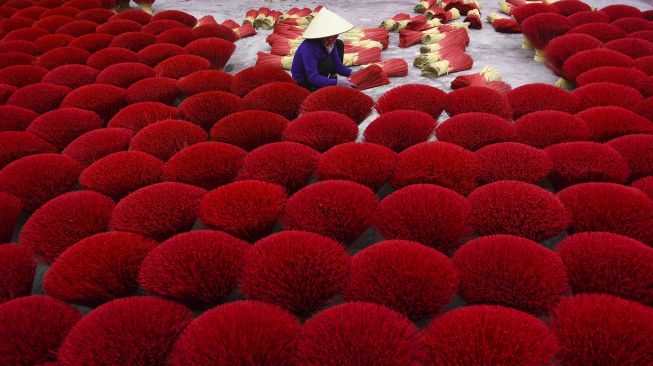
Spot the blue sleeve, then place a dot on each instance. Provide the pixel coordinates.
(310, 65)
(341, 69)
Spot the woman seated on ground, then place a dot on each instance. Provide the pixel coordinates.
(318, 60)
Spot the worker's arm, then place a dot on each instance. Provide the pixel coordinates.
(341, 69)
(309, 58)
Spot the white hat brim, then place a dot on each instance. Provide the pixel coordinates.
(325, 24)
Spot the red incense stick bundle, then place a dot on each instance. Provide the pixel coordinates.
(389, 24)
(207, 19)
(246, 30)
(452, 63)
(474, 19)
(365, 56)
(230, 23)
(369, 77)
(250, 16)
(263, 13)
(424, 5)
(463, 7)
(266, 59)
(503, 25)
(394, 67)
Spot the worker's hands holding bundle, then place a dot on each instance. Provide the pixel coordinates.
(345, 82)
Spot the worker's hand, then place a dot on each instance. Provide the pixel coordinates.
(345, 82)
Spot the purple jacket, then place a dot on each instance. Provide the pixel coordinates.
(307, 56)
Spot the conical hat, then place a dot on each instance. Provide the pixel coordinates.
(326, 23)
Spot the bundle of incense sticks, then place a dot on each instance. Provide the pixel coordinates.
(462, 7)
(424, 5)
(243, 31)
(455, 62)
(402, 24)
(444, 15)
(508, 6)
(409, 38)
(486, 75)
(296, 13)
(389, 24)
(270, 20)
(380, 37)
(287, 30)
(369, 77)
(474, 19)
(457, 37)
(231, 24)
(429, 24)
(394, 67)
(207, 19)
(266, 59)
(263, 13)
(503, 25)
(424, 59)
(365, 56)
(250, 16)
(302, 22)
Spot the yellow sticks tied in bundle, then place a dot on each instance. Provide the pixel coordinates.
(455, 62)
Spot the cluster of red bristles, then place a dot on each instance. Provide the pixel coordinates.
(142, 168)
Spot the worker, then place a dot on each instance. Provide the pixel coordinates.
(319, 58)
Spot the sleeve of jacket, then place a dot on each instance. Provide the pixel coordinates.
(341, 69)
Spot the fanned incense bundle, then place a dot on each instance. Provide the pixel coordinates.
(488, 77)
(246, 30)
(389, 24)
(474, 19)
(455, 62)
(207, 19)
(369, 77)
(250, 16)
(266, 59)
(230, 23)
(503, 25)
(394, 67)
(424, 5)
